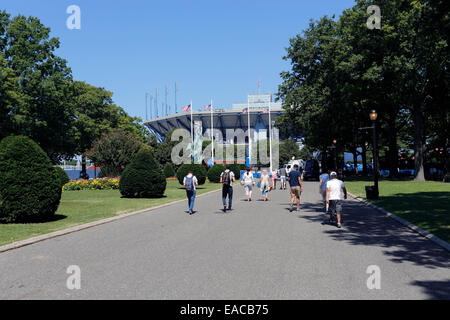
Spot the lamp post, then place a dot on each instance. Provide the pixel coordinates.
(335, 154)
(373, 117)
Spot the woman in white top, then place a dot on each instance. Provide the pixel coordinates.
(265, 185)
(248, 182)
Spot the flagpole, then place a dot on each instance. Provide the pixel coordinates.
(212, 133)
(249, 134)
(192, 134)
(176, 89)
(146, 106)
(270, 131)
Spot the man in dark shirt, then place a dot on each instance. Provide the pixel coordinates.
(295, 181)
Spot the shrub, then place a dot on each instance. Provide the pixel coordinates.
(63, 177)
(169, 171)
(142, 178)
(236, 168)
(214, 173)
(197, 169)
(30, 188)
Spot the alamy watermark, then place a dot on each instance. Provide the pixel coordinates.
(74, 20)
(374, 280)
(236, 147)
(73, 282)
(374, 21)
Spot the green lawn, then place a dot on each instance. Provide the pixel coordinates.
(425, 204)
(79, 207)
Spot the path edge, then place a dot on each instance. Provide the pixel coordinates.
(59, 233)
(444, 244)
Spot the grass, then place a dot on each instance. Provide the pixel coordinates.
(425, 204)
(78, 207)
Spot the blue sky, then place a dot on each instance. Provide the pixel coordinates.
(213, 49)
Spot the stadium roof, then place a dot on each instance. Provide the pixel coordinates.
(222, 120)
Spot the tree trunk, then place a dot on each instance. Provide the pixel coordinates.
(364, 159)
(355, 161)
(393, 150)
(83, 165)
(419, 146)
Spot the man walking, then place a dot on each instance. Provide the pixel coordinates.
(335, 188)
(295, 182)
(227, 179)
(190, 181)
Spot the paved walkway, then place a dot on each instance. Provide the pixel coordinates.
(258, 251)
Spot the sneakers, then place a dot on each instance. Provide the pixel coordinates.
(339, 225)
(298, 209)
(224, 208)
(291, 208)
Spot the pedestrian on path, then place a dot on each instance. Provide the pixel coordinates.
(335, 188)
(283, 178)
(296, 184)
(274, 179)
(227, 178)
(324, 178)
(190, 181)
(265, 185)
(248, 182)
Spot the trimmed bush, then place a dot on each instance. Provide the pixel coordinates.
(62, 174)
(143, 178)
(236, 168)
(169, 171)
(197, 169)
(214, 173)
(30, 188)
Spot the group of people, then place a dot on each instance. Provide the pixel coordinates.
(332, 189)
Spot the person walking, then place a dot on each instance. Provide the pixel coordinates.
(324, 178)
(227, 178)
(283, 178)
(248, 182)
(274, 179)
(296, 184)
(189, 182)
(265, 185)
(335, 188)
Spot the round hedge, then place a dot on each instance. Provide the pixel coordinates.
(62, 174)
(214, 173)
(30, 188)
(168, 170)
(236, 168)
(197, 169)
(142, 178)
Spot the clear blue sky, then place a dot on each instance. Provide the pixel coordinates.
(213, 49)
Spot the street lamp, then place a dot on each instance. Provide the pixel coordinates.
(373, 117)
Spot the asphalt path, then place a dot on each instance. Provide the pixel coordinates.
(259, 250)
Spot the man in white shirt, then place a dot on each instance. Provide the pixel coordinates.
(227, 179)
(335, 188)
(190, 181)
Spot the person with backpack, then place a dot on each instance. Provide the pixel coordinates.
(227, 178)
(190, 181)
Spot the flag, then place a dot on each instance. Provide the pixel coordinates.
(208, 107)
(259, 83)
(186, 109)
(245, 110)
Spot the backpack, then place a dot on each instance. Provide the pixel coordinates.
(190, 183)
(226, 178)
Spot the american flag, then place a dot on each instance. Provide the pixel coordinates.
(245, 110)
(208, 107)
(187, 108)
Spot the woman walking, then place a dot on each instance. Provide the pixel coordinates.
(248, 182)
(265, 185)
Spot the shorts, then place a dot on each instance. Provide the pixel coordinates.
(335, 207)
(248, 187)
(324, 195)
(283, 179)
(295, 191)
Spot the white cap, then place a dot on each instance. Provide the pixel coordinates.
(333, 173)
